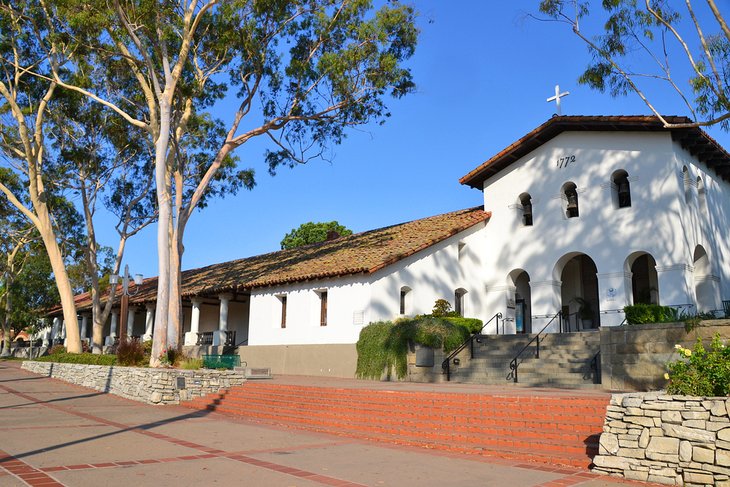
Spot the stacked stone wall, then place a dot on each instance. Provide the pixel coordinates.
(672, 440)
(152, 386)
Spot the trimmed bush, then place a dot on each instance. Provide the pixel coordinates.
(700, 372)
(79, 358)
(474, 325)
(383, 346)
(638, 314)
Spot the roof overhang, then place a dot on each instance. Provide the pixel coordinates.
(693, 139)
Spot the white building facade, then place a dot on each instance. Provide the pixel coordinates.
(582, 216)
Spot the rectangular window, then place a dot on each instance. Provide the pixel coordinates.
(283, 311)
(403, 293)
(323, 308)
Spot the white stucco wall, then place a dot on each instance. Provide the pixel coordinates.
(347, 313)
(657, 222)
(435, 273)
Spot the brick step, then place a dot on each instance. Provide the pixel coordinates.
(375, 403)
(556, 425)
(416, 398)
(511, 446)
(554, 429)
(565, 443)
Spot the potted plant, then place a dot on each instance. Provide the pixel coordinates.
(585, 312)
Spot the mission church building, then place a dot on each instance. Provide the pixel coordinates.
(583, 215)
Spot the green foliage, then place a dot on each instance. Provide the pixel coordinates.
(474, 325)
(650, 313)
(636, 35)
(700, 372)
(442, 308)
(57, 349)
(191, 363)
(79, 358)
(309, 233)
(383, 346)
(131, 353)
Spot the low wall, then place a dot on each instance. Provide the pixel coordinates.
(634, 357)
(152, 386)
(333, 360)
(673, 440)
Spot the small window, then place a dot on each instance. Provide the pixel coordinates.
(701, 196)
(404, 299)
(687, 184)
(459, 301)
(622, 188)
(323, 308)
(283, 310)
(570, 192)
(461, 250)
(526, 203)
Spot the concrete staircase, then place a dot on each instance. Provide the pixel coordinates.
(553, 427)
(565, 360)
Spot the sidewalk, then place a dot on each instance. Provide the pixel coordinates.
(53, 433)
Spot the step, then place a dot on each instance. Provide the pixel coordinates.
(555, 429)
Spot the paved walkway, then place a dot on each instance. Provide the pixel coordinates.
(53, 433)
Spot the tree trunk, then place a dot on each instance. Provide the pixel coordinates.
(164, 203)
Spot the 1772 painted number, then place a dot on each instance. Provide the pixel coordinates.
(562, 162)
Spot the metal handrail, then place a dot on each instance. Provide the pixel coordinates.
(513, 363)
(446, 364)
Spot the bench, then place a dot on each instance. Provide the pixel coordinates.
(221, 361)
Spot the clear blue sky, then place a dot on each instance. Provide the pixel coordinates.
(483, 72)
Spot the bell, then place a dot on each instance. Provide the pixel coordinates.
(572, 201)
(527, 209)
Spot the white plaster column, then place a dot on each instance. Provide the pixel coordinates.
(545, 301)
(191, 337)
(130, 321)
(219, 337)
(56, 328)
(501, 300)
(612, 296)
(83, 327)
(46, 333)
(113, 329)
(675, 284)
(149, 322)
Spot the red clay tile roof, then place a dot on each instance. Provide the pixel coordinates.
(361, 253)
(695, 140)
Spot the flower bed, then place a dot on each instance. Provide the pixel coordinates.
(152, 386)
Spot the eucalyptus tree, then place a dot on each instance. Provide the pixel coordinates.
(303, 71)
(107, 166)
(655, 40)
(27, 287)
(26, 93)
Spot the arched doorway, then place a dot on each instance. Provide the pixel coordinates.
(520, 281)
(704, 282)
(579, 292)
(644, 278)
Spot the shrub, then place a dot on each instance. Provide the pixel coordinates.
(442, 308)
(700, 372)
(131, 353)
(56, 349)
(373, 358)
(79, 358)
(191, 363)
(383, 346)
(649, 313)
(474, 325)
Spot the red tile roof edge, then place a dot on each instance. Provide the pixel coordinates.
(588, 123)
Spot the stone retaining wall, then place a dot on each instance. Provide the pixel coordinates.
(673, 440)
(152, 386)
(634, 357)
